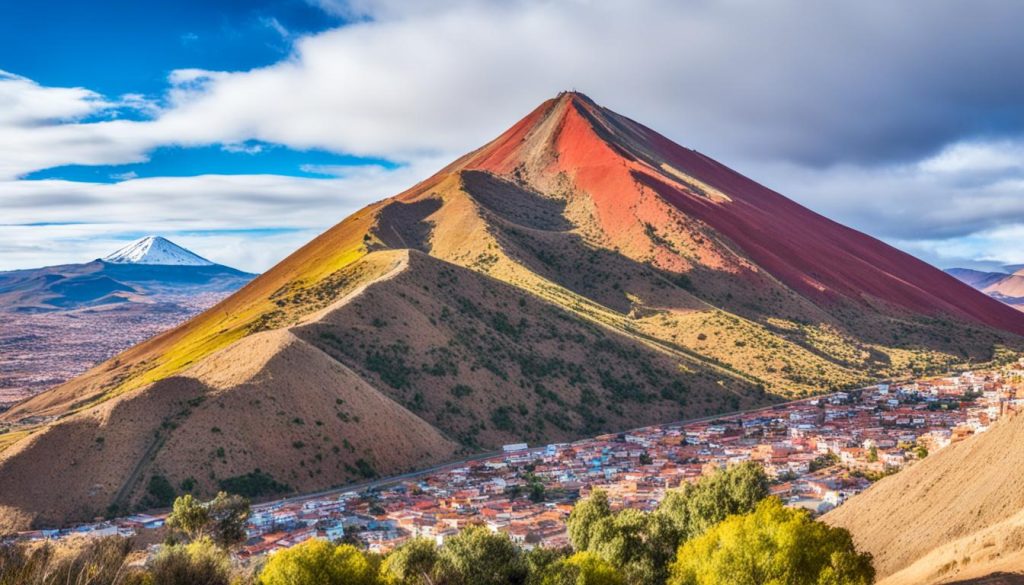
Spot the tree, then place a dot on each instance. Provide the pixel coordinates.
(584, 515)
(477, 556)
(539, 560)
(318, 562)
(872, 454)
(223, 518)
(190, 516)
(227, 517)
(582, 568)
(694, 508)
(638, 544)
(773, 544)
(413, 563)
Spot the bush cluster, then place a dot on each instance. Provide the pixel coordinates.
(722, 529)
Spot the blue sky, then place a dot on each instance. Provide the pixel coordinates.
(126, 46)
(242, 129)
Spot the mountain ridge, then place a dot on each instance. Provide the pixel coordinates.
(580, 273)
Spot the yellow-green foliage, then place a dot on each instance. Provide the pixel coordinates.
(582, 568)
(774, 545)
(318, 562)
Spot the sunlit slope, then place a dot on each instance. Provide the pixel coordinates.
(252, 309)
(956, 515)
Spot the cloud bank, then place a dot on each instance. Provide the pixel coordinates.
(900, 119)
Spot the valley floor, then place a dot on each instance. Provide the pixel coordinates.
(41, 350)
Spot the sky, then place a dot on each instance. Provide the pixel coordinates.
(241, 129)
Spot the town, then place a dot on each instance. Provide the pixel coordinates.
(818, 451)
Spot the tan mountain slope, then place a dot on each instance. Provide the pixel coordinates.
(957, 515)
(580, 273)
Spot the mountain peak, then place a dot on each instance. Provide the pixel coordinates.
(156, 250)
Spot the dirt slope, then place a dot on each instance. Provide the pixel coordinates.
(579, 273)
(959, 514)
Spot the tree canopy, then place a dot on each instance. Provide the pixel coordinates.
(318, 562)
(222, 518)
(773, 545)
(477, 556)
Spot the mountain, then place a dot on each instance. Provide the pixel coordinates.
(955, 517)
(148, 270)
(156, 250)
(56, 322)
(578, 274)
(1007, 287)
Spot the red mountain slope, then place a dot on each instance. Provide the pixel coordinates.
(620, 162)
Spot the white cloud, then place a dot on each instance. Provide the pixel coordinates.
(247, 221)
(853, 109)
(25, 103)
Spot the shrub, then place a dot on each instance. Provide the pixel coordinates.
(99, 561)
(254, 484)
(159, 492)
(198, 562)
(318, 562)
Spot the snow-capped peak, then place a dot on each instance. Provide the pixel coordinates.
(156, 250)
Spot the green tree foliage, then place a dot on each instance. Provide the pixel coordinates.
(223, 518)
(773, 544)
(159, 492)
(200, 561)
(188, 516)
(477, 556)
(585, 514)
(539, 559)
(228, 515)
(318, 562)
(413, 563)
(583, 568)
(642, 546)
(696, 507)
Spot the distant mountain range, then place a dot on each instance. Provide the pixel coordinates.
(581, 273)
(1006, 286)
(150, 270)
(58, 321)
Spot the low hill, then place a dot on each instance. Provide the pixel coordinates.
(580, 273)
(955, 517)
